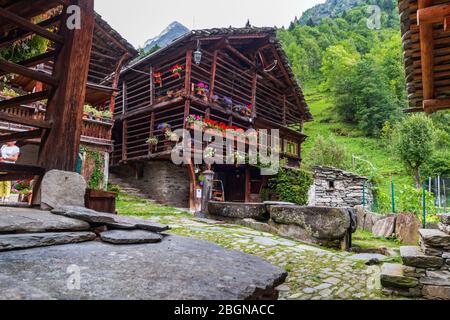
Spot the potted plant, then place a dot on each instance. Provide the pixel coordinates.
(177, 70)
(153, 143)
(158, 79)
(215, 98)
(24, 189)
(89, 112)
(107, 114)
(201, 90)
(247, 111)
(193, 121)
(164, 127)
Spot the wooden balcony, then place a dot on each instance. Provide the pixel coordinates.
(94, 131)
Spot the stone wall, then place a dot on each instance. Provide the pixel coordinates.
(426, 268)
(338, 189)
(161, 181)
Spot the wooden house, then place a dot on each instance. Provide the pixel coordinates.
(236, 77)
(80, 66)
(426, 42)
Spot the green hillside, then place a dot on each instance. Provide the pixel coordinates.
(354, 82)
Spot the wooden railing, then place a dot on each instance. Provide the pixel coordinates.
(97, 128)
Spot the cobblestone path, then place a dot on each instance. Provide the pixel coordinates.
(314, 273)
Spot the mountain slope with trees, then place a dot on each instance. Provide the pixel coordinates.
(353, 75)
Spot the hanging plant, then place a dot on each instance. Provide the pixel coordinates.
(201, 89)
(158, 79)
(177, 70)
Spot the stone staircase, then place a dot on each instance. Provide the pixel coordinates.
(426, 268)
(126, 188)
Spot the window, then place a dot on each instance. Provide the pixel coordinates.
(330, 185)
(291, 148)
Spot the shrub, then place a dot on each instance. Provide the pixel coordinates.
(292, 185)
(328, 152)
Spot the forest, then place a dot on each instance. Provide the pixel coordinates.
(353, 74)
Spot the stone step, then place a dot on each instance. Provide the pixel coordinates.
(32, 240)
(436, 278)
(414, 257)
(392, 276)
(435, 238)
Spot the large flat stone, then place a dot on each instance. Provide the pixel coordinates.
(130, 237)
(32, 240)
(435, 238)
(84, 214)
(61, 188)
(436, 278)
(414, 257)
(178, 268)
(368, 258)
(257, 211)
(392, 276)
(318, 222)
(23, 220)
(110, 220)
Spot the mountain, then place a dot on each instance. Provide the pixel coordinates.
(334, 8)
(174, 31)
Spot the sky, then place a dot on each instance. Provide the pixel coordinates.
(140, 20)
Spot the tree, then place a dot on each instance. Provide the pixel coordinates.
(414, 143)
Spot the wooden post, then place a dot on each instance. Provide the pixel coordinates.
(212, 82)
(284, 110)
(426, 45)
(152, 130)
(125, 122)
(254, 89)
(115, 83)
(247, 184)
(152, 87)
(65, 105)
(187, 82)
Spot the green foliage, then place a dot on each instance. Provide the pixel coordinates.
(360, 69)
(292, 185)
(414, 142)
(97, 178)
(26, 49)
(328, 152)
(410, 199)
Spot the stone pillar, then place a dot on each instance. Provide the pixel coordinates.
(207, 189)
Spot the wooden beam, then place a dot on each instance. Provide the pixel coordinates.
(27, 25)
(18, 34)
(254, 91)
(427, 46)
(240, 55)
(18, 101)
(434, 105)
(110, 37)
(447, 23)
(19, 136)
(65, 104)
(17, 168)
(25, 121)
(10, 67)
(42, 58)
(212, 81)
(432, 14)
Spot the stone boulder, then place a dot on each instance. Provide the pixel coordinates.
(61, 188)
(314, 223)
(445, 218)
(393, 276)
(407, 228)
(255, 211)
(384, 227)
(444, 228)
(435, 238)
(370, 220)
(360, 216)
(413, 256)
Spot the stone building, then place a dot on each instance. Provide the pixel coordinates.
(336, 188)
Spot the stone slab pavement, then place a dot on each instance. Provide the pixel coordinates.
(314, 273)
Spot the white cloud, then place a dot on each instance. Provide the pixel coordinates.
(139, 20)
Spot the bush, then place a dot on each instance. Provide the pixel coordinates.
(292, 185)
(328, 152)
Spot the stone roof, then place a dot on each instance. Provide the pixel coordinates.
(350, 175)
